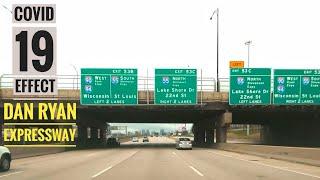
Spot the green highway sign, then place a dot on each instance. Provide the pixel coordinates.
(109, 86)
(296, 86)
(250, 86)
(175, 86)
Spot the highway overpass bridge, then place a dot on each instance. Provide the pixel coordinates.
(282, 125)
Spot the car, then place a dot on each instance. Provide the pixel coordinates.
(183, 143)
(135, 139)
(5, 160)
(145, 139)
(113, 142)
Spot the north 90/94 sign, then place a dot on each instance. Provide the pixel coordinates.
(34, 50)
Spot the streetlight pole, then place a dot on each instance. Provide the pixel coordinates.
(217, 12)
(74, 67)
(248, 43)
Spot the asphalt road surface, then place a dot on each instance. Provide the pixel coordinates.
(144, 161)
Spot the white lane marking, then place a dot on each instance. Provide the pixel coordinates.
(101, 172)
(108, 168)
(195, 170)
(11, 174)
(267, 165)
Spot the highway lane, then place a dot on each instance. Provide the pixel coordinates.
(156, 163)
(152, 140)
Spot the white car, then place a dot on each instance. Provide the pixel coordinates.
(5, 158)
(183, 143)
(135, 139)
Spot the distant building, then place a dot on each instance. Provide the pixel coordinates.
(143, 132)
(162, 132)
(137, 133)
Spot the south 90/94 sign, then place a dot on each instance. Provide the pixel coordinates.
(34, 56)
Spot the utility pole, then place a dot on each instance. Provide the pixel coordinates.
(77, 74)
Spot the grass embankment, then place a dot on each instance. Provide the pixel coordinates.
(239, 134)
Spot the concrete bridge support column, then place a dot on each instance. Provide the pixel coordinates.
(222, 124)
(265, 134)
(104, 133)
(195, 132)
(82, 136)
(94, 136)
(199, 133)
(103, 136)
(292, 132)
(221, 134)
(210, 136)
(209, 125)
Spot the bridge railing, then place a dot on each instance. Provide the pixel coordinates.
(69, 86)
(224, 84)
(73, 82)
(64, 81)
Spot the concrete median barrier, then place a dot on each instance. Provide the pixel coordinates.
(22, 152)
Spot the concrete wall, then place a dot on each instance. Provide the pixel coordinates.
(22, 152)
(292, 132)
(309, 156)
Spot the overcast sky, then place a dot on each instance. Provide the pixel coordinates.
(146, 34)
(178, 33)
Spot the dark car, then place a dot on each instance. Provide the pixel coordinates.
(145, 139)
(113, 142)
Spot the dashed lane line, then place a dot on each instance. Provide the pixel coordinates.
(101, 172)
(5, 175)
(188, 164)
(110, 167)
(195, 170)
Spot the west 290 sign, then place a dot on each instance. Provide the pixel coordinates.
(34, 50)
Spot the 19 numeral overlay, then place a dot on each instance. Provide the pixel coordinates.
(47, 52)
